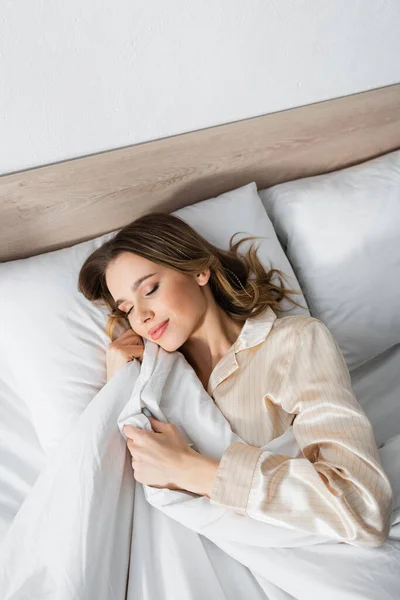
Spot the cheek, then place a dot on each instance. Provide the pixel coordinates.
(177, 300)
(187, 297)
(183, 298)
(185, 305)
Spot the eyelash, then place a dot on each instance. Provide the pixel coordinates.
(155, 288)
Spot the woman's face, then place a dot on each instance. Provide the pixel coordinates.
(153, 294)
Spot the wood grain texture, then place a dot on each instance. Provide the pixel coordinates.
(58, 205)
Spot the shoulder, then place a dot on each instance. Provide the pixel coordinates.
(288, 334)
(303, 335)
(291, 334)
(282, 340)
(291, 326)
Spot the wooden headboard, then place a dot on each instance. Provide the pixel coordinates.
(58, 205)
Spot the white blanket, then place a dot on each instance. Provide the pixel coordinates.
(88, 530)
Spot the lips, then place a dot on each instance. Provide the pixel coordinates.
(156, 331)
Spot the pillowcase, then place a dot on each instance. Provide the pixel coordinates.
(53, 340)
(341, 233)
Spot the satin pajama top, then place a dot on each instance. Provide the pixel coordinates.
(290, 372)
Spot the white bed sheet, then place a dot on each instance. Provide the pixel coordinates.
(21, 456)
(376, 385)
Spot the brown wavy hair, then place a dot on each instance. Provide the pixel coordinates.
(239, 283)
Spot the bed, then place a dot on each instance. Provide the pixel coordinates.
(319, 184)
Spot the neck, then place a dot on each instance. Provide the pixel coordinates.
(210, 341)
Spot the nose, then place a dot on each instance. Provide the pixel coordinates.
(142, 315)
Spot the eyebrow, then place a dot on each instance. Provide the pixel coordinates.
(135, 286)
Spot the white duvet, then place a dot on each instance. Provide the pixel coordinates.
(88, 531)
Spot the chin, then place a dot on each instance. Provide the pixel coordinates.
(170, 345)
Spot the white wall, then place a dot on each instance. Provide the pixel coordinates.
(82, 76)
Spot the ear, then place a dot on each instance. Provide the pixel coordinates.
(203, 277)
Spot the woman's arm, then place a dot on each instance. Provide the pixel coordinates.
(339, 488)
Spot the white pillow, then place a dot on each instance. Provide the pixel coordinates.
(341, 233)
(53, 340)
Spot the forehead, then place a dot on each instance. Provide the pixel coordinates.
(127, 262)
(125, 270)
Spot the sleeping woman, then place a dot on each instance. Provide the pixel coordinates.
(166, 283)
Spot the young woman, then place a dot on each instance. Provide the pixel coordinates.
(219, 309)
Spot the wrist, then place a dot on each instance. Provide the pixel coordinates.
(198, 475)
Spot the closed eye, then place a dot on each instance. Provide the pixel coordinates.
(155, 288)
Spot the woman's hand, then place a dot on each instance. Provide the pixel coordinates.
(158, 456)
(125, 348)
(162, 458)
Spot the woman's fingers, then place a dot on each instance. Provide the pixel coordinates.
(129, 334)
(130, 448)
(125, 348)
